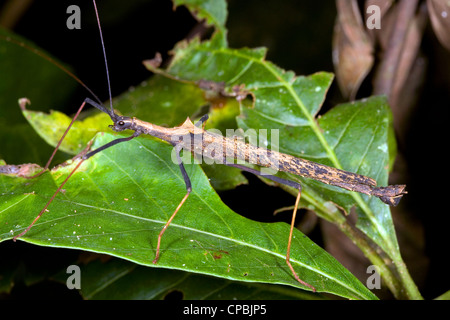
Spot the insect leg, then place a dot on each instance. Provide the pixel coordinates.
(290, 183)
(288, 252)
(59, 142)
(85, 157)
(48, 203)
(109, 144)
(187, 181)
(88, 101)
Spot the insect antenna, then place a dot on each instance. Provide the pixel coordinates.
(111, 114)
(99, 106)
(97, 103)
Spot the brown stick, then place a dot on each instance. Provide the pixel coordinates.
(196, 140)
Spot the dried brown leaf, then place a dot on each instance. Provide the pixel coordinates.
(408, 56)
(352, 48)
(384, 6)
(439, 11)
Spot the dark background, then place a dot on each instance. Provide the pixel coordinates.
(298, 35)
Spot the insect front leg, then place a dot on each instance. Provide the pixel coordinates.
(83, 158)
(86, 101)
(201, 123)
(187, 181)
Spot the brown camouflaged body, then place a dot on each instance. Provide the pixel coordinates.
(221, 149)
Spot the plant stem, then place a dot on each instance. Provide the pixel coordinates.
(410, 288)
(385, 272)
(397, 277)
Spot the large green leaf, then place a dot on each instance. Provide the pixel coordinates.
(119, 200)
(214, 12)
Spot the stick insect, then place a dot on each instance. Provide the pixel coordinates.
(193, 138)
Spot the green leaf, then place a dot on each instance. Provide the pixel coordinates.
(118, 201)
(165, 101)
(51, 128)
(213, 11)
(357, 135)
(169, 102)
(444, 296)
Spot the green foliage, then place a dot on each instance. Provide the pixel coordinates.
(118, 200)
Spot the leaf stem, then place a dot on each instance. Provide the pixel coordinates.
(394, 272)
(411, 290)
